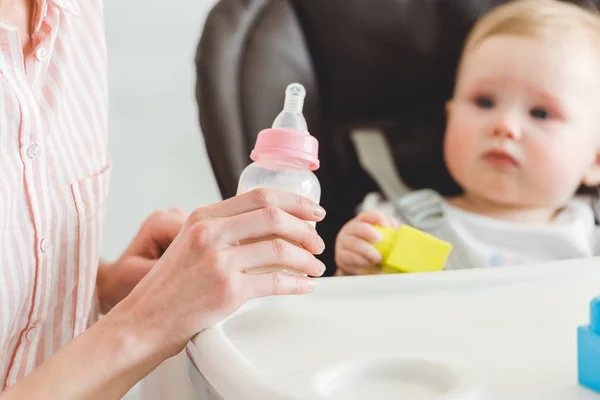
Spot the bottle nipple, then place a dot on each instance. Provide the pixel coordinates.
(291, 116)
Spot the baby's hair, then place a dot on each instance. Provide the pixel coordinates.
(551, 19)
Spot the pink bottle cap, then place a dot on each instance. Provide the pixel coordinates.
(287, 144)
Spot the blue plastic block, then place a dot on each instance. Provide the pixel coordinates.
(595, 315)
(588, 349)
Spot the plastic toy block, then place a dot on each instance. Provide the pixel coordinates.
(588, 349)
(407, 249)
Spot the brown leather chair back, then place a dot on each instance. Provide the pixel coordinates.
(386, 64)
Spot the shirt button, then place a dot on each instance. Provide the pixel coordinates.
(30, 335)
(40, 54)
(44, 245)
(34, 151)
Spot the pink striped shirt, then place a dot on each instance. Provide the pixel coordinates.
(54, 173)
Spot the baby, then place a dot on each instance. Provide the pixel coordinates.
(522, 135)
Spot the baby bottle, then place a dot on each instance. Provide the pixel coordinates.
(285, 155)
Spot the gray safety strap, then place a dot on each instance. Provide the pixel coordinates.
(422, 209)
(375, 157)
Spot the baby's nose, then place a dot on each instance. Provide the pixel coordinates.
(506, 128)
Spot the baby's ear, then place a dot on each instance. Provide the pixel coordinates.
(592, 176)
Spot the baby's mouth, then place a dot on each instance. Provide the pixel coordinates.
(500, 158)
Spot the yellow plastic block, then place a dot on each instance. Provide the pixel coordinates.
(410, 250)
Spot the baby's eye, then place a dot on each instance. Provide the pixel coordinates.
(484, 102)
(539, 113)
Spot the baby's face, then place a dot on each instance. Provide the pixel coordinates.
(523, 127)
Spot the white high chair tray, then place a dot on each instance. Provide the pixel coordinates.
(493, 333)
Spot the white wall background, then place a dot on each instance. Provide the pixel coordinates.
(154, 139)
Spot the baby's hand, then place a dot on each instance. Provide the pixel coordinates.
(354, 251)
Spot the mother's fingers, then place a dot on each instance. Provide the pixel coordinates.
(291, 203)
(269, 222)
(274, 253)
(276, 283)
